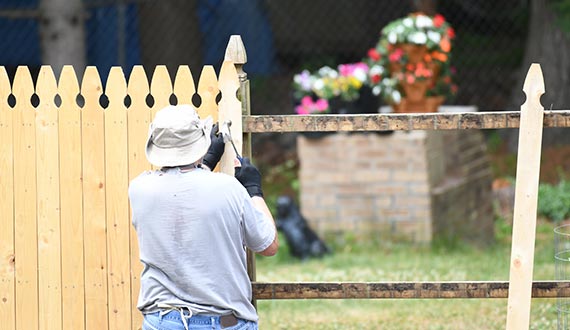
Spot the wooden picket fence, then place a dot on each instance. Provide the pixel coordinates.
(68, 253)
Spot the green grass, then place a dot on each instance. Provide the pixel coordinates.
(383, 261)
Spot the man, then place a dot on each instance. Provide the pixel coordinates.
(193, 226)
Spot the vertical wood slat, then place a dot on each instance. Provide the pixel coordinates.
(49, 243)
(93, 146)
(230, 110)
(208, 90)
(160, 88)
(7, 288)
(138, 119)
(526, 200)
(71, 203)
(118, 224)
(26, 244)
(184, 87)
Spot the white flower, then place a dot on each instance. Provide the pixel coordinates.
(376, 70)
(418, 38)
(434, 36)
(318, 84)
(408, 22)
(376, 90)
(400, 29)
(392, 38)
(360, 74)
(396, 96)
(328, 72)
(423, 21)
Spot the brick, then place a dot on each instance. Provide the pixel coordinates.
(409, 176)
(371, 176)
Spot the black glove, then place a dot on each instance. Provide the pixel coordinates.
(249, 176)
(216, 149)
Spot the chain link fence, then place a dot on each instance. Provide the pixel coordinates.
(281, 38)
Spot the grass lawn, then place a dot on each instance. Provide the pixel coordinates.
(379, 262)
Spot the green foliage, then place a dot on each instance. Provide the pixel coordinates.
(281, 179)
(562, 10)
(554, 200)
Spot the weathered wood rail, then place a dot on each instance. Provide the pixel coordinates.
(396, 122)
(403, 290)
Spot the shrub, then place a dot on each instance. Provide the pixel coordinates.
(554, 200)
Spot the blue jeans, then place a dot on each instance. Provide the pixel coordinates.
(173, 321)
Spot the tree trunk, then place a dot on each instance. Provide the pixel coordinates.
(428, 7)
(170, 35)
(62, 33)
(548, 46)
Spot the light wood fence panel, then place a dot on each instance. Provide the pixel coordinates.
(71, 202)
(7, 288)
(69, 255)
(49, 235)
(25, 201)
(117, 203)
(95, 242)
(138, 118)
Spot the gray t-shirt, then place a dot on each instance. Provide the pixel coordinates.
(192, 228)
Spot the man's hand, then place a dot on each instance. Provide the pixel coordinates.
(248, 175)
(216, 149)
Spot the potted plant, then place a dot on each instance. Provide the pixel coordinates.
(410, 65)
(336, 91)
(339, 87)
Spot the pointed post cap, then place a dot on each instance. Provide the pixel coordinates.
(534, 81)
(235, 51)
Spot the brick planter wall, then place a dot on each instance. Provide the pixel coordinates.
(418, 186)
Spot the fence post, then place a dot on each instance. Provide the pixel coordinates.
(236, 53)
(526, 200)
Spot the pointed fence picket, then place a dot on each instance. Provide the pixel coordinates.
(7, 240)
(71, 202)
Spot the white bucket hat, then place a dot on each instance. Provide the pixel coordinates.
(177, 136)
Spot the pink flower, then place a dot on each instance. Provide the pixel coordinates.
(347, 70)
(308, 107)
(396, 55)
(322, 105)
(301, 110)
(306, 101)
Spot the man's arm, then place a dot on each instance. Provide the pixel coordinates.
(248, 175)
(260, 204)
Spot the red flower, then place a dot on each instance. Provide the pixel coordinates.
(396, 55)
(451, 33)
(373, 54)
(438, 20)
(376, 78)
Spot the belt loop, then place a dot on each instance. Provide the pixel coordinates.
(213, 321)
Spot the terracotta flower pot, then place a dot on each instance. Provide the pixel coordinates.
(428, 104)
(415, 92)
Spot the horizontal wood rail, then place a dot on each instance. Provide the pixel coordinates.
(396, 122)
(403, 290)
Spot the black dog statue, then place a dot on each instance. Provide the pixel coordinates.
(302, 240)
